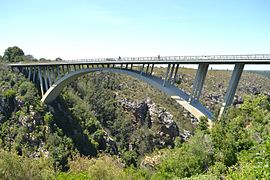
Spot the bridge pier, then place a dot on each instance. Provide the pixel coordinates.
(63, 69)
(198, 82)
(152, 68)
(58, 72)
(49, 76)
(29, 73)
(170, 77)
(175, 73)
(43, 72)
(53, 74)
(236, 75)
(142, 69)
(147, 68)
(40, 81)
(166, 75)
(34, 74)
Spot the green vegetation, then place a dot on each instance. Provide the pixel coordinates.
(100, 127)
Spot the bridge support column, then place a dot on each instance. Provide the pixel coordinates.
(236, 75)
(175, 73)
(58, 72)
(45, 79)
(126, 66)
(29, 73)
(49, 76)
(34, 74)
(170, 77)
(142, 68)
(147, 68)
(68, 68)
(131, 66)
(152, 68)
(40, 81)
(198, 82)
(166, 74)
(63, 69)
(53, 74)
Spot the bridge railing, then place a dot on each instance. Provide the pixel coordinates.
(180, 58)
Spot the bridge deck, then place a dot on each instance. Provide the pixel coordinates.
(212, 59)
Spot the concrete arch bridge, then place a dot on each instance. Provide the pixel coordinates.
(51, 77)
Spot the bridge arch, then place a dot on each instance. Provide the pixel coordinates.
(182, 98)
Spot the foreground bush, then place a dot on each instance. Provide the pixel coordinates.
(15, 167)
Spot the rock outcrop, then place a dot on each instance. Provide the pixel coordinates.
(156, 118)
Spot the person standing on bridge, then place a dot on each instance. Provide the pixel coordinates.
(119, 58)
(158, 57)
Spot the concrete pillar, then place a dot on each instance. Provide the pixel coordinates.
(170, 77)
(53, 74)
(34, 74)
(236, 75)
(58, 72)
(45, 78)
(49, 76)
(166, 74)
(131, 66)
(121, 66)
(63, 69)
(113, 65)
(147, 68)
(142, 68)
(126, 66)
(88, 66)
(152, 68)
(68, 68)
(175, 74)
(198, 81)
(29, 73)
(108, 65)
(40, 81)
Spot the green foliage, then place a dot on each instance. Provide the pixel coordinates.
(10, 94)
(48, 118)
(13, 54)
(203, 123)
(130, 158)
(15, 167)
(194, 157)
(105, 167)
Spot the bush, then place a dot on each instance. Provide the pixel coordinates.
(14, 167)
(10, 94)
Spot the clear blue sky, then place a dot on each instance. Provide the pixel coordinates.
(73, 29)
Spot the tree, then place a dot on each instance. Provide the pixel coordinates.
(58, 59)
(29, 57)
(13, 54)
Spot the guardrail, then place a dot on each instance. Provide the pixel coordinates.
(180, 58)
